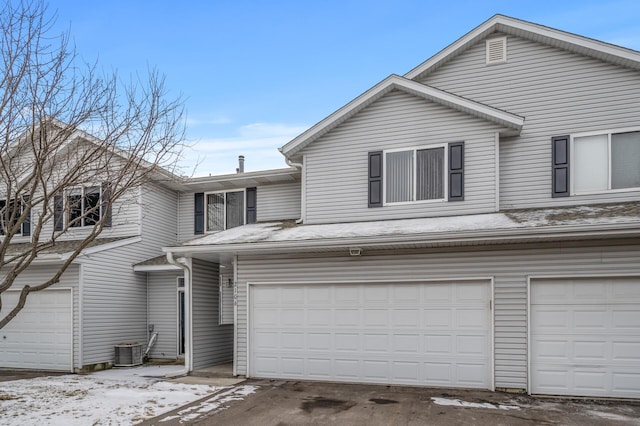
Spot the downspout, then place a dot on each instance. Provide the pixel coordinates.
(188, 355)
(302, 188)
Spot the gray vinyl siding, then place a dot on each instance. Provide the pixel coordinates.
(278, 202)
(509, 266)
(162, 306)
(37, 274)
(185, 216)
(115, 297)
(159, 216)
(212, 343)
(558, 93)
(115, 302)
(336, 164)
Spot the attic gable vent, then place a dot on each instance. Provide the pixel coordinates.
(497, 50)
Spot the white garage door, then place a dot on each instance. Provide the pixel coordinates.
(40, 336)
(435, 334)
(585, 337)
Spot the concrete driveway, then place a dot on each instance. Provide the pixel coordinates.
(315, 403)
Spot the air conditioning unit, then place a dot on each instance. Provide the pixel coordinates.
(128, 354)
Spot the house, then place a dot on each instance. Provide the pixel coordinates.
(474, 223)
(100, 301)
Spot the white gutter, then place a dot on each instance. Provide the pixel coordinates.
(302, 187)
(188, 346)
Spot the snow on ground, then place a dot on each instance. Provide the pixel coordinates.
(459, 403)
(120, 396)
(213, 404)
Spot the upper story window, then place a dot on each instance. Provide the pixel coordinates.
(10, 215)
(82, 207)
(607, 161)
(415, 174)
(217, 211)
(225, 210)
(429, 173)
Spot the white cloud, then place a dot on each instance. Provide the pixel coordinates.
(258, 142)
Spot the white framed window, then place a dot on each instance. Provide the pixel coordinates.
(605, 161)
(415, 174)
(224, 210)
(10, 213)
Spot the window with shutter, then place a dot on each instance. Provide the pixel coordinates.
(600, 162)
(430, 173)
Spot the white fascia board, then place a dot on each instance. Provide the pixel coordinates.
(529, 234)
(390, 83)
(505, 24)
(459, 103)
(155, 268)
(102, 247)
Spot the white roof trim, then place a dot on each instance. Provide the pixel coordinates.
(395, 82)
(156, 268)
(102, 247)
(500, 23)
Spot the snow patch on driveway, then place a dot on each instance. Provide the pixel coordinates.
(459, 403)
(213, 404)
(112, 397)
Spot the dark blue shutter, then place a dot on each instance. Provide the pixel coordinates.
(456, 171)
(198, 216)
(26, 224)
(106, 204)
(375, 179)
(58, 212)
(252, 208)
(560, 166)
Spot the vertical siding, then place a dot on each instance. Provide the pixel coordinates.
(558, 93)
(162, 305)
(212, 343)
(510, 268)
(278, 202)
(37, 274)
(336, 164)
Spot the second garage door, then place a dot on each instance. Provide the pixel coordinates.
(431, 334)
(585, 337)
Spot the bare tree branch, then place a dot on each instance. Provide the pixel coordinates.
(75, 145)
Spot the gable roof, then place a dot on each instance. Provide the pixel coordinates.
(504, 24)
(511, 122)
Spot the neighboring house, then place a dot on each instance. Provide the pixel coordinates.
(100, 301)
(474, 223)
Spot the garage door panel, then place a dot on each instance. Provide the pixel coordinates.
(386, 335)
(582, 346)
(40, 335)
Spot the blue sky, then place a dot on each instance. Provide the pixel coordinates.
(254, 74)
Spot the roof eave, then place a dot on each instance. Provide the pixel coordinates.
(505, 24)
(525, 234)
(512, 122)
